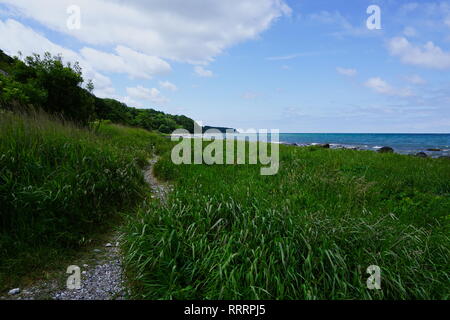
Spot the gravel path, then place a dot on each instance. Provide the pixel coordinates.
(159, 189)
(102, 281)
(102, 276)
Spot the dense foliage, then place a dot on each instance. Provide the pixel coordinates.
(46, 82)
(59, 184)
(309, 232)
(149, 119)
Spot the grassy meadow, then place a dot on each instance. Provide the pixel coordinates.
(309, 232)
(60, 184)
(226, 232)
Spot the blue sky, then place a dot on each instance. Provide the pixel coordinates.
(297, 66)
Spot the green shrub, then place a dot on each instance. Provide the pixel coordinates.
(60, 183)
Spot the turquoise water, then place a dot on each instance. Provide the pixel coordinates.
(401, 143)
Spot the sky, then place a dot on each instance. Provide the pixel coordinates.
(292, 65)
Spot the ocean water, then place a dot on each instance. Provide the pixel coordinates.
(401, 143)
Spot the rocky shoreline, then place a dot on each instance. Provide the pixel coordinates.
(426, 153)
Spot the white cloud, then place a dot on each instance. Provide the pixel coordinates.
(202, 72)
(409, 32)
(381, 86)
(128, 61)
(429, 55)
(140, 93)
(415, 79)
(130, 102)
(431, 13)
(105, 92)
(168, 85)
(346, 72)
(143, 33)
(17, 37)
(192, 31)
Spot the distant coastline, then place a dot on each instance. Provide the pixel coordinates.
(221, 129)
(431, 144)
(434, 145)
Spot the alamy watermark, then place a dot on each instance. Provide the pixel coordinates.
(228, 148)
(374, 20)
(74, 19)
(374, 280)
(74, 280)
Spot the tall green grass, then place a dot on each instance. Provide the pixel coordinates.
(309, 232)
(59, 184)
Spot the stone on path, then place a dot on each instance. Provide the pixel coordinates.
(14, 291)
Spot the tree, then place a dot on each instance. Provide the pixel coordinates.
(57, 88)
(62, 82)
(48, 83)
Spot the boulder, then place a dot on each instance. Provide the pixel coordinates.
(421, 155)
(386, 150)
(434, 149)
(14, 291)
(324, 145)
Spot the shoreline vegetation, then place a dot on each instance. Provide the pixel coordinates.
(308, 232)
(423, 152)
(61, 184)
(222, 231)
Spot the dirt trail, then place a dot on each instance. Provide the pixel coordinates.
(160, 189)
(102, 276)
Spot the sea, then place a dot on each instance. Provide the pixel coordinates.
(401, 142)
(433, 144)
